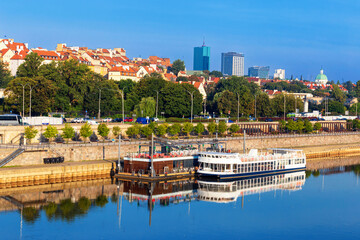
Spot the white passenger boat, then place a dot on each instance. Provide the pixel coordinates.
(256, 163)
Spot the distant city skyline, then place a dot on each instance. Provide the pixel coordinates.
(301, 37)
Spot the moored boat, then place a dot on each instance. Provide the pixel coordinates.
(224, 166)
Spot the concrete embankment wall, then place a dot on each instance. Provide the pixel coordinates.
(294, 141)
(25, 176)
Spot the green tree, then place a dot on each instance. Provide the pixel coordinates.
(50, 132)
(199, 128)
(30, 68)
(103, 130)
(68, 132)
(222, 127)
(187, 128)
(291, 126)
(282, 125)
(317, 126)
(146, 107)
(300, 126)
(336, 107)
(30, 133)
(146, 131)
(234, 128)
(5, 75)
(174, 129)
(308, 127)
(216, 74)
(337, 94)
(175, 100)
(161, 130)
(182, 79)
(116, 131)
(133, 131)
(211, 127)
(42, 94)
(85, 131)
(177, 66)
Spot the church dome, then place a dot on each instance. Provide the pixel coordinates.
(321, 77)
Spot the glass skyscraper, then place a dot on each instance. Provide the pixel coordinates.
(260, 72)
(202, 58)
(232, 64)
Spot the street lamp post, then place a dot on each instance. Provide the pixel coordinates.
(99, 113)
(192, 104)
(284, 107)
(157, 102)
(238, 107)
(255, 108)
(31, 88)
(23, 100)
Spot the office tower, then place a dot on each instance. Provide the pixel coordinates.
(280, 74)
(232, 63)
(202, 58)
(259, 72)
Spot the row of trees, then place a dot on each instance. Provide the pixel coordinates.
(68, 132)
(177, 129)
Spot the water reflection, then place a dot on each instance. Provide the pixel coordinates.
(223, 192)
(70, 201)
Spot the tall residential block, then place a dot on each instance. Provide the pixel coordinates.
(280, 74)
(232, 64)
(202, 58)
(259, 72)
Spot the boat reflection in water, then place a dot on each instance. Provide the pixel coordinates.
(224, 192)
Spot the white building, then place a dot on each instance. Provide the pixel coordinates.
(280, 74)
(232, 64)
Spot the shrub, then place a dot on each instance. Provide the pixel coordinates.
(222, 127)
(317, 126)
(308, 127)
(133, 131)
(103, 130)
(59, 139)
(234, 128)
(199, 128)
(116, 131)
(177, 120)
(211, 127)
(93, 137)
(161, 130)
(50, 132)
(146, 131)
(174, 129)
(187, 128)
(30, 133)
(68, 132)
(85, 131)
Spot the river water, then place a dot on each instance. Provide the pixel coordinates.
(305, 205)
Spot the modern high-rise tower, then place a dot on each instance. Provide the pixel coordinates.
(232, 63)
(202, 58)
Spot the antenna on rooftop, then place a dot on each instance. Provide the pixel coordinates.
(203, 42)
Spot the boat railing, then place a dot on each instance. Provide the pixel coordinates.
(158, 154)
(268, 157)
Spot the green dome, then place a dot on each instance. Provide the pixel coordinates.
(321, 77)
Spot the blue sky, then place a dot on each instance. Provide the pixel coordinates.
(300, 36)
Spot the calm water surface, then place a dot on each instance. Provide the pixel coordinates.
(318, 205)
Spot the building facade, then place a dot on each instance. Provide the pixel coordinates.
(259, 72)
(232, 64)
(202, 58)
(280, 74)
